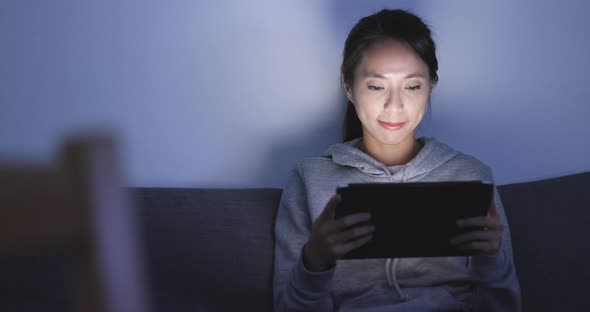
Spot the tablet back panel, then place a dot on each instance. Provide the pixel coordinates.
(414, 219)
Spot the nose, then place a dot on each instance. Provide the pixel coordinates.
(394, 102)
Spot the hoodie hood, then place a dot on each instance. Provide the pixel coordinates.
(432, 155)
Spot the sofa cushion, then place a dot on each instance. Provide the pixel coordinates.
(549, 221)
(209, 249)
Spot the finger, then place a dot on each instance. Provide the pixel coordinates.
(339, 225)
(484, 222)
(485, 247)
(493, 211)
(328, 212)
(342, 249)
(351, 220)
(351, 234)
(476, 236)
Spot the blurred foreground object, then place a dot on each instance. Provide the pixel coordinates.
(78, 209)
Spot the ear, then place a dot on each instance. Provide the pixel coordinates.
(347, 89)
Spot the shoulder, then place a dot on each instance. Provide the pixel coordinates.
(461, 166)
(320, 175)
(470, 167)
(308, 169)
(315, 165)
(313, 182)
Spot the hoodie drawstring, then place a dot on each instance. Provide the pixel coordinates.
(388, 272)
(391, 268)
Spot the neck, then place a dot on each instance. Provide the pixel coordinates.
(391, 155)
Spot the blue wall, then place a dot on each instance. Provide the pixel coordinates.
(224, 94)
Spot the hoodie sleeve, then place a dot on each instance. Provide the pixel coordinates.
(497, 287)
(295, 288)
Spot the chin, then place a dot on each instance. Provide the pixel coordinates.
(391, 142)
(392, 139)
(387, 137)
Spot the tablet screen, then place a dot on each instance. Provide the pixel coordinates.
(414, 219)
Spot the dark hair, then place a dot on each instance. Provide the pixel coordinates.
(385, 24)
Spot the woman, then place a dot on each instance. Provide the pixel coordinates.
(388, 72)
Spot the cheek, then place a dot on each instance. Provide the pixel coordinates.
(362, 102)
(366, 108)
(416, 103)
(414, 107)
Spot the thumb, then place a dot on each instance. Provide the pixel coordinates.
(330, 208)
(492, 211)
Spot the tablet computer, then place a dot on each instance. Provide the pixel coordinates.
(414, 219)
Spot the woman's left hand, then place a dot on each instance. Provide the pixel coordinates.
(486, 236)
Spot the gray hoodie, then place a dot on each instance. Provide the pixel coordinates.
(479, 283)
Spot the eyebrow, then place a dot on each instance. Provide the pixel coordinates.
(376, 75)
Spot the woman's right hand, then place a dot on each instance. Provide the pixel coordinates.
(331, 239)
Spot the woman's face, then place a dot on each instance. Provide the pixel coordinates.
(391, 86)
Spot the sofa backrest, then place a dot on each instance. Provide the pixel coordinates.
(209, 249)
(550, 224)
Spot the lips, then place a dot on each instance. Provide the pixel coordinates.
(391, 125)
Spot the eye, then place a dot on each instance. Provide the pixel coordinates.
(413, 88)
(375, 88)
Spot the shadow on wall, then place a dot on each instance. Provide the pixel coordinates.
(285, 152)
(470, 134)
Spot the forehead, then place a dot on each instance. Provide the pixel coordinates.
(391, 57)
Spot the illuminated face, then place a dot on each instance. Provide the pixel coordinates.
(390, 91)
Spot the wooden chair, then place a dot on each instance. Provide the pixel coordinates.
(78, 206)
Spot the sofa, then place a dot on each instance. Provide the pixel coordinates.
(212, 249)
